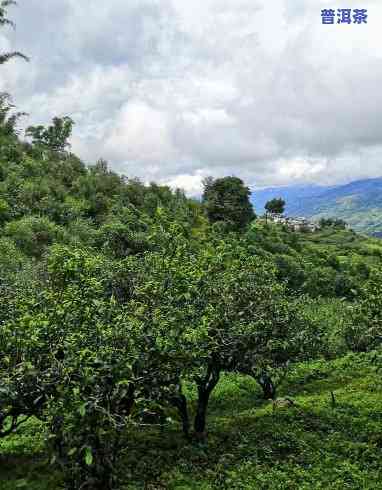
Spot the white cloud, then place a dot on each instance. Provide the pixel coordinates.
(174, 90)
(141, 133)
(191, 184)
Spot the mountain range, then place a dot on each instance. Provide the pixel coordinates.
(359, 203)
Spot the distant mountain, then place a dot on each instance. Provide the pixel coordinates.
(359, 203)
(292, 195)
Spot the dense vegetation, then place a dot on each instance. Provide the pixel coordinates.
(146, 338)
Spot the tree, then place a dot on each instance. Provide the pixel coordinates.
(276, 206)
(213, 309)
(32, 234)
(25, 383)
(333, 223)
(320, 281)
(364, 331)
(10, 148)
(125, 232)
(291, 271)
(8, 120)
(54, 137)
(226, 200)
(63, 363)
(4, 57)
(106, 369)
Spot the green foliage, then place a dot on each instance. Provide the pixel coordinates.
(32, 234)
(330, 263)
(275, 206)
(364, 333)
(333, 222)
(88, 420)
(125, 232)
(54, 137)
(10, 150)
(226, 201)
(65, 365)
(4, 210)
(8, 119)
(215, 309)
(5, 57)
(290, 271)
(123, 308)
(310, 445)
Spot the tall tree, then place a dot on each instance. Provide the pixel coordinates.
(276, 206)
(54, 137)
(227, 200)
(4, 57)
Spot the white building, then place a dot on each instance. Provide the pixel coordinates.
(295, 224)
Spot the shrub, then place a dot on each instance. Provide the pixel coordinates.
(364, 332)
(33, 234)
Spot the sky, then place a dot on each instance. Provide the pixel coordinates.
(173, 91)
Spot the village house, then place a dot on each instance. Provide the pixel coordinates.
(295, 224)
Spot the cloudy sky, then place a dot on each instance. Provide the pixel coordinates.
(175, 90)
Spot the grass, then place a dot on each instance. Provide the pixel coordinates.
(22, 460)
(313, 445)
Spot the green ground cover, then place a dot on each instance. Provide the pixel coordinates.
(312, 445)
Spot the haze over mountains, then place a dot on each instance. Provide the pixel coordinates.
(359, 203)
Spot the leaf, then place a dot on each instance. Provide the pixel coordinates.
(21, 483)
(88, 456)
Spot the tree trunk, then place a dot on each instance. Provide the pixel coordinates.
(268, 387)
(205, 388)
(180, 402)
(200, 417)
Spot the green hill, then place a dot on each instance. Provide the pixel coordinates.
(359, 203)
(103, 278)
(150, 341)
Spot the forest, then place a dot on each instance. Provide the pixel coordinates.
(149, 340)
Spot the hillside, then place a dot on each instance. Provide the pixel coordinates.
(359, 203)
(150, 341)
(292, 195)
(116, 296)
(328, 263)
(75, 243)
(258, 448)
